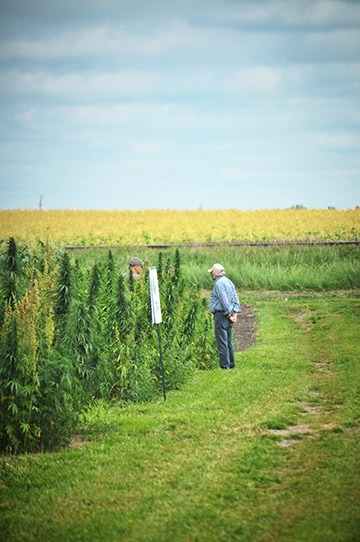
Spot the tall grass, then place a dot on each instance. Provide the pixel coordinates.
(283, 268)
(291, 268)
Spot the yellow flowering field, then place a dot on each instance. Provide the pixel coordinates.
(97, 227)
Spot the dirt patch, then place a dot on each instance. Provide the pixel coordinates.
(288, 436)
(291, 431)
(78, 442)
(245, 329)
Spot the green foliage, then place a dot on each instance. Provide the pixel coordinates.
(72, 333)
(75, 331)
(281, 267)
(37, 409)
(11, 273)
(58, 403)
(63, 289)
(286, 268)
(26, 340)
(62, 298)
(220, 460)
(94, 287)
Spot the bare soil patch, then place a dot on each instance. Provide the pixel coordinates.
(245, 329)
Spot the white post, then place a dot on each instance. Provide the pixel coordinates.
(156, 315)
(155, 296)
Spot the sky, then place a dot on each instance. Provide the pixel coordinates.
(168, 104)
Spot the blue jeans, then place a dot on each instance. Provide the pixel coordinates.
(223, 338)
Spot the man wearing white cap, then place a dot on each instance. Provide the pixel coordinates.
(225, 306)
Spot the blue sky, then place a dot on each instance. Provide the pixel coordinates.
(217, 104)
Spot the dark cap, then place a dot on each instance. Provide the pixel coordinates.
(136, 261)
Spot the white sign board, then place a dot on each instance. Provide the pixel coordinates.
(155, 296)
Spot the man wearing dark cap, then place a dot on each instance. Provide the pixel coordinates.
(225, 306)
(135, 267)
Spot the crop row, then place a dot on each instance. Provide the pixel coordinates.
(96, 228)
(70, 334)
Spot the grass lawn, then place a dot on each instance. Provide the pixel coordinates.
(266, 452)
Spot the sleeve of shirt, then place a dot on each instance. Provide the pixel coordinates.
(236, 307)
(235, 302)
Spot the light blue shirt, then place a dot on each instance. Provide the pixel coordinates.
(224, 297)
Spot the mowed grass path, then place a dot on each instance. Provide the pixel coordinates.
(266, 452)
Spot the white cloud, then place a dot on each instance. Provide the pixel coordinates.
(27, 115)
(332, 45)
(337, 140)
(289, 13)
(333, 12)
(79, 85)
(187, 93)
(104, 41)
(259, 79)
(132, 84)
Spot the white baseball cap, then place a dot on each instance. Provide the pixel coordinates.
(218, 269)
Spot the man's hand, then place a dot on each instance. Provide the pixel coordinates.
(233, 318)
